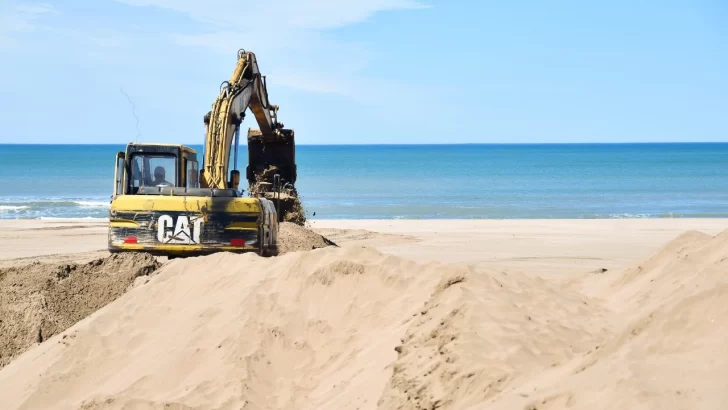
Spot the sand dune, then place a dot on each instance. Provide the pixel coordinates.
(299, 331)
(668, 350)
(353, 328)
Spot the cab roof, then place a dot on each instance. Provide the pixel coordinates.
(162, 144)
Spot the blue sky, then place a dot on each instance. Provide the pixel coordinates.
(379, 71)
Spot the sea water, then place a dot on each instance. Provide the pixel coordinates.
(418, 181)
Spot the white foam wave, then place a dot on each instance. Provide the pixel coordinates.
(630, 216)
(12, 208)
(92, 204)
(85, 218)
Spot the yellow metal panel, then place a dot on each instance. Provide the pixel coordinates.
(204, 205)
(131, 247)
(182, 248)
(123, 223)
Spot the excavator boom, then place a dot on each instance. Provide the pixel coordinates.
(246, 89)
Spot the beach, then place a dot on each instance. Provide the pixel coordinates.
(543, 246)
(412, 314)
(270, 206)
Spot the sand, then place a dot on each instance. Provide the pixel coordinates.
(34, 238)
(293, 237)
(40, 300)
(579, 316)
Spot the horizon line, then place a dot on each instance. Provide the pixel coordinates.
(391, 144)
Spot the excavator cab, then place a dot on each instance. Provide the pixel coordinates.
(150, 167)
(168, 213)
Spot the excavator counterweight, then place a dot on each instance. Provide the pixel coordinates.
(165, 202)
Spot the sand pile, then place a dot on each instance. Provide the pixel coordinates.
(303, 330)
(481, 334)
(293, 238)
(40, 300)
(667, 350)
(351, 328)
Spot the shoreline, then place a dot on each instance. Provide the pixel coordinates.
(535, 218)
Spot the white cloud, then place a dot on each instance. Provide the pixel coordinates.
(289, 37)
(34, 9)
(19, 18)
(303, 60)
(276, 15)
(173, 65)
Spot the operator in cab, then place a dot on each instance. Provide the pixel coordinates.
(159, 177)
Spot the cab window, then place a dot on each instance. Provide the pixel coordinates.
(192, 175)
(153, 170)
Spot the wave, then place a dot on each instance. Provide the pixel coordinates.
(12, 208)
(93, 203)
(85, 218)
(18, 203)
(98, 207)
(52, 207)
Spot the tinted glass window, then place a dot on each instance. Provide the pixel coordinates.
(153, 170)
(192, 175)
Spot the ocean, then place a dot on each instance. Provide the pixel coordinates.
(418, 181)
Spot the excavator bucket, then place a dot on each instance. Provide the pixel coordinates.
(270, 156)
(272, 172)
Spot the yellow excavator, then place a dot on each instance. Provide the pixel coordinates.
(165, 203)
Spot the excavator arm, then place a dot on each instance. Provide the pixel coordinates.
(245, 89)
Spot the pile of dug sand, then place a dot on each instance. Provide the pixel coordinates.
(295, 212)
(665, 323)
(40, 300)
(352, 328)
(293, 238)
